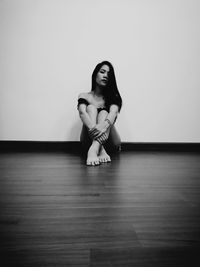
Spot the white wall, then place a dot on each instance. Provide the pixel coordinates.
(49, 49)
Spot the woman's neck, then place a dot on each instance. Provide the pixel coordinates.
(98, 91)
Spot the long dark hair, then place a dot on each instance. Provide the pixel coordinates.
(110, 92)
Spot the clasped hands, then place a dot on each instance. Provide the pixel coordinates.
(99, 133)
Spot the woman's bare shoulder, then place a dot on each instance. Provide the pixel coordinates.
(87, 96)
(84, 95)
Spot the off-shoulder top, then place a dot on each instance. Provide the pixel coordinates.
(85, 101)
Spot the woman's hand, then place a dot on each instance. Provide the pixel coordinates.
(92, 132)
(103, 138)
(101, 128)
(98, 130)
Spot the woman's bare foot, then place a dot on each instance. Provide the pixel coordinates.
(92, 156)
(103, 156)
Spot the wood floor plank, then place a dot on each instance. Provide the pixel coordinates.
(142, 209)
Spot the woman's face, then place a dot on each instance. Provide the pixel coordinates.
(103, 75)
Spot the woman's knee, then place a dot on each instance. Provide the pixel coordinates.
(91, 109)
(102, 114)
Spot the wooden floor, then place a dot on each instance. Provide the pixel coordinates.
(143, 209)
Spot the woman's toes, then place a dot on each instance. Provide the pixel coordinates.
(101, 159)
(92, 162)
(104, 159)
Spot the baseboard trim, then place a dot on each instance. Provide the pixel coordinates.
(75, 146)
(46, 146)
(164, 146)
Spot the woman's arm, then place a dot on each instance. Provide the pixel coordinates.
(102, 127)
(113, 113)
(85, 117)
(83, 112)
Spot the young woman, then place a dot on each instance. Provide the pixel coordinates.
(98, 110)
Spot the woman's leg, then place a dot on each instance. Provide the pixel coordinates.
(103, 156)
(94, 146)
(113, 143)
(96, 153)
(85, 139)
